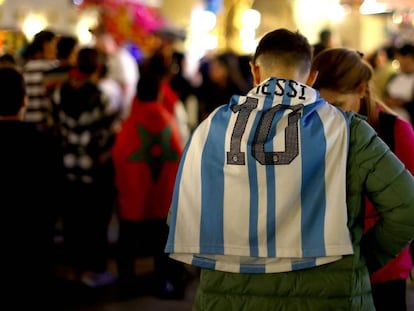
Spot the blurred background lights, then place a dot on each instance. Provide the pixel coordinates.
(251, 19)
(338, 12)
(203, 20)
(372, 7)
(32, 24)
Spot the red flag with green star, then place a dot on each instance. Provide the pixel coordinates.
(146, 156)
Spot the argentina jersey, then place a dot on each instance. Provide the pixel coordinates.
(261, 186)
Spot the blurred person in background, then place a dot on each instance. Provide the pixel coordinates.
(160, 64)
(146, 156)
(86, 125)
(221, 78)
(382, 61)
(30, 165)
(39, 57)
(400, 88)
(326, 41)
(113, 92)
(345, 80)
(122, 66)
(67, 51)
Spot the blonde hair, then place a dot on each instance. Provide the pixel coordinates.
(343, 70)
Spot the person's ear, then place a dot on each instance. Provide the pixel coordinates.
(255, 70)
(313, 75)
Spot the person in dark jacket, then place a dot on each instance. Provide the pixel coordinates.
(30, 167)
(269, 195)
(344, 79)
(86, 125)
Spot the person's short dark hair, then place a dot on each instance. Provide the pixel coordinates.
(38, 42)
(13, 91)
(406, 49)
(7, 59)
(148, 87)
(283, 45)
(65, 46)
(89, 60)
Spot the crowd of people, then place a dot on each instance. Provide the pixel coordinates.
(241, 193)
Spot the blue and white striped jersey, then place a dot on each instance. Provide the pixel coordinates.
(261, 186)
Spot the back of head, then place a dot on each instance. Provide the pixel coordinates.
(12, 89)
(38, 43)
(65, 46)
(88, 60)
(8, 59)
(285, 48)
(341, 70)
(406, 50)
(344, 71)
(148, 87)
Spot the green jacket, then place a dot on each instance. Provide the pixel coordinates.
(373, 170)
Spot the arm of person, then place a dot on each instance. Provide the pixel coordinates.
(404, 143)
(390, 187)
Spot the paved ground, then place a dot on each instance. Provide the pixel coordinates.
(75, 296)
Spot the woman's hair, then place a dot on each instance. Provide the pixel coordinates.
(343, 70)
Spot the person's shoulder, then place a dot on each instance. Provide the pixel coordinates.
(30, 136)
(360, 129)
(356, 117)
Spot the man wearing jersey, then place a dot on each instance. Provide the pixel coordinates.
(268, 199)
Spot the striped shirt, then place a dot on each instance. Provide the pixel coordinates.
(39, 107)
(261, 186)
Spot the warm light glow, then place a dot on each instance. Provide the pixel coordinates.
(338, 12)
(33, 24)
(247, 34)
(82, 29)
(397, 18)
(251, 19)
(203, 21)
(372, 7)
(210, 42)
(249, 46)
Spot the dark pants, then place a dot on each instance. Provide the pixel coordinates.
(146, 238)
(390, 295)
(86, 215)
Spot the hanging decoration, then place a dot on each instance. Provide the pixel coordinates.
(128, 21)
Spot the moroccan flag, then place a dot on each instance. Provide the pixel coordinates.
(261, 186)
(146, 155)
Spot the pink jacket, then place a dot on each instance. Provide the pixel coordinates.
(400, 267)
